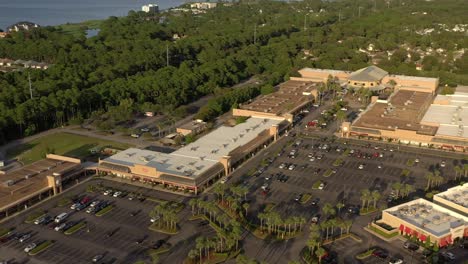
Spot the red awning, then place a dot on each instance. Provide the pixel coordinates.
(443, 242)
(422, 237)
(407, 230)
(449, 239)
(415, 233)
(402, 227)
(465, 234)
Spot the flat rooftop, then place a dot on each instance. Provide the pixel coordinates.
(30, 179)
(428, 216)
(199, 156)
(290, 94)
(194, 124)
(457, 195)
(451, 113)
(404, 110)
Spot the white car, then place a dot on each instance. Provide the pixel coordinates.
(265, 186)
(24, 238)
(379, 166)
(153, 220)
(282, 165)
(60, 227)
(74, 206)
(292, 167)
(416, 160)
(381, 155)
(30, 247)
(396, 261)
(321, 186)
(442, 164)
(108, 192)
(117, 193)
(361, 166)
(93, 204)
(223, 180)
(312, 159)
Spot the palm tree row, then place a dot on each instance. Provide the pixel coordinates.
(166, 215)
(434, 179)
(367, 197)
(210, 210)
(204, 246)
(460, 171)
(272, 222)
(402, 190)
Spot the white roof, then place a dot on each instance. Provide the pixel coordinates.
(165, 163)
(324, 70)
(223, 140)
(457, 195)
(197, 157)
(428, 216)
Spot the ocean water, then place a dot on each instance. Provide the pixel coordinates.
(55, 12)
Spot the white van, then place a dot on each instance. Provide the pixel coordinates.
(59, 218)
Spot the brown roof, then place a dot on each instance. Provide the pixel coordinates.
(35, 183)
(289, 95)
(404, 110)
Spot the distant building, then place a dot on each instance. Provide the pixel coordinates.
(203, 5)
(6, 62)
(3, 34)
(455, 198)
(20, 26)
(151, 8)
(193, 127)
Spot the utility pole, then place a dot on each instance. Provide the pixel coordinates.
(167, 55)
(255, 34)
(339, 16)
(359, 10)
(305, 21)
(375, 5)
(30, 86)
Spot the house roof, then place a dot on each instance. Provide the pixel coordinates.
(371, 73)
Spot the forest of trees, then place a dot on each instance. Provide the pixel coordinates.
(123, 69)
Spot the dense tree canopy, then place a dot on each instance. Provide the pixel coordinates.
(123, 69)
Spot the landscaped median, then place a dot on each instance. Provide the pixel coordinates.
(316, 184)
(4, 231)
(158, 228)
(105, 210)
(328, 173)
(381, 233)
(305, 198)
(33, 216)
(41, 247)
(338, 162)
(75, 228)
(368, 210)
(365, 254)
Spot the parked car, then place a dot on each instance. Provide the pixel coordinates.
(380, 253)
(298, 198)
(321, 186)
(117, 194)
(158, 244)
(107, 192)
(24, 237)
(442, 164)
(30, 247)
(59, 218)
(448, 255)
(60, 227)
(40, 220)
(395, 261)
(97, 258)
(315, 201)
(223, 180)
(410, 246)
(361, 166)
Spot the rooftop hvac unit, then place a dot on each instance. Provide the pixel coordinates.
(9, 183)
(56, 174)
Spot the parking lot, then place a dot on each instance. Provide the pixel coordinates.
(120, 236)
(362, 168)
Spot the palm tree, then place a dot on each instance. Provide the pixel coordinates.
(193, 203)
(319, 253)
(438, 178)
(397, 187)
(220, 189)
(328, 209)
(320, 89)
(365, 197)
(348, 224)
(465, 170)
(200, 245)
(408, 188)
(458, 171)
(339, 206)
(325, 225)
(246, 207)
(340, 116)
(302, 221)
(375, 197)
(261, 217)
(193, 254)
(430, 177)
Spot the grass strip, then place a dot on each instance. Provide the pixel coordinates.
(41, 248)
(380, 232)
(305, 198)
(75, 228)
(328, 173)
(105, 210)
(338, 162)
(155, 227)
(4, 231)
(316, 184)
(366, 254)
(33, 216)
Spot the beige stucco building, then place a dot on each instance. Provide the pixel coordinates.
(199, 164)
(455, 198)
(425, 220)
(22, 188)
